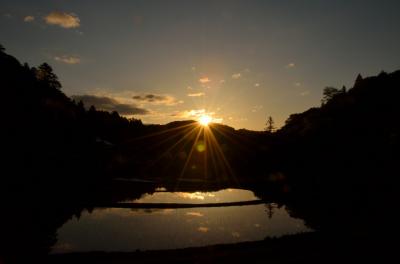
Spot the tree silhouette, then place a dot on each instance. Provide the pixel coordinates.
(328, 94)
(270, 125)
(359, 78)
(45, 74)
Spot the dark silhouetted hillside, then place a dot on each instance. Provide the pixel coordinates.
(341, 159)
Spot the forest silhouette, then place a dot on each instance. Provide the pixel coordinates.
(335, 166)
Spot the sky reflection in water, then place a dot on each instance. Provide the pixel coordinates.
(114, 229)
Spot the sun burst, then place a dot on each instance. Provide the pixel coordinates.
(204, 120)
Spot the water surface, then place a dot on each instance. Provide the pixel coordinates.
(116, 229)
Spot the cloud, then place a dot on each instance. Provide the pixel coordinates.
(256, 108)
(29, 18)
(198, 214)
(304, 93)
(157, 99)
(62, 19)
(196, 94)
(68, 59)
(256, 85)
(290, 65)
(204, 80)
(196, 114)
(110, 104)
(203, 229)
(235, 234)
(236, 76)
(192, 196)
(297, 84)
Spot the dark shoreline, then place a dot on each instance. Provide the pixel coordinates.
(312, 247)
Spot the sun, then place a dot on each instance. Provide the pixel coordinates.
(204, 120)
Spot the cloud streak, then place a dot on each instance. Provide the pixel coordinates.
(305, 93)
(62, 19)
(68, 59)
(29, 18)
(157, 99)
(109, 104)
(236, 76)
(196, 114)
(196, 94)
(204, 80)
(290, 65)
(203, 229)
(197, 214)
(256, 108)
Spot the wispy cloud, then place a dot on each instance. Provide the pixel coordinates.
(196, 114)
(304, 93)
(62, 19)
(29, 18)
(196, 94)
(157, 99)
(203, 229)
(256, 108)
(192, 196)
(109, 104)
(198, 214)
(290, 65)
(204, 80)
(236, 75)
(68, 59)
(235, 234)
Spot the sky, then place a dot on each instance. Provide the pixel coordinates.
(236, 61)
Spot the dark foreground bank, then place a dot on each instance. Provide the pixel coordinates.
(300, 248)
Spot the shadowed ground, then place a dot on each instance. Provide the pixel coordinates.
(301, 248)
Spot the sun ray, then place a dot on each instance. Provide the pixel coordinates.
(160, 132)
(186, 136)
(212, 155)
(186, 131)
(188, 157)
(221, 155)
(184, 144)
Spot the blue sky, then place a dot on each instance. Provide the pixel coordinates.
(238, 61)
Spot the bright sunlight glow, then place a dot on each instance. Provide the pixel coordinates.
(204, 120)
